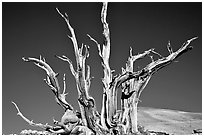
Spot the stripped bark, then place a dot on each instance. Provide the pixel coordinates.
(51, 81)
(142, 77)
(109, 105)
(86, 102)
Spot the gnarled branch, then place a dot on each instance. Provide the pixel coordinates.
(51, 81)
(153, 67)
(86, 102)
(109, 106)
(138, 80)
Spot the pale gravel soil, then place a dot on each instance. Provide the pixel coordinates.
(170, 121)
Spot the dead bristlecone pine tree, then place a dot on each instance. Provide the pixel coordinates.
(110, 120)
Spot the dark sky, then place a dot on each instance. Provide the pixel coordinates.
(33, 29)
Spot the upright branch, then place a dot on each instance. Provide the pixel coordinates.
(51, 81)
(109, 102)
(108, 108)
(72, 37)
(83, 81)
(128, 99)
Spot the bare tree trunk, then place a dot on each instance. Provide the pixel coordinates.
(142, 77)
(109, 105)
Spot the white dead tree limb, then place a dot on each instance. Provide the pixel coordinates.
(83, 81)
(137, 81)
(128, 99)
(109, 102)
(51, 81)
(46, 127)
(111, 120)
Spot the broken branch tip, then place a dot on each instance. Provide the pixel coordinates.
(193, 39)
(24, 59)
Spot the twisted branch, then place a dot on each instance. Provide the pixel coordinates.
(51, 81)
(86, 102)
(137, 81)
(109, 105)
(153, 67)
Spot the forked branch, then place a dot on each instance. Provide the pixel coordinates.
(109, 105)
(64, 58)
(162, 62)
(72, 37)
(153, 67)
(86, 102)
(51, 81)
